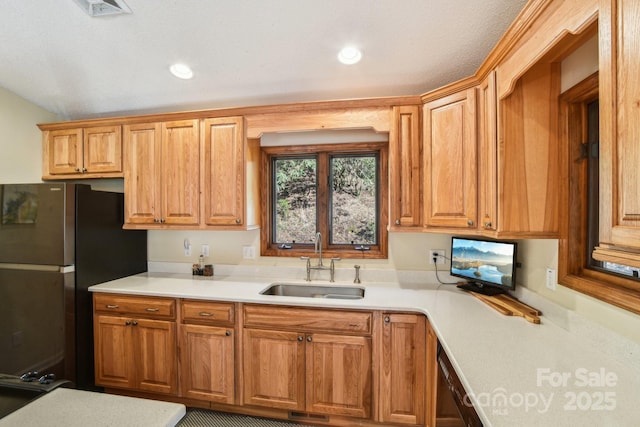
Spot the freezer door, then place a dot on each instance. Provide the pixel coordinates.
(37, 224)
(32, 321)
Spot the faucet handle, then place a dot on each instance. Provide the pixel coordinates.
(336, 259)
(304, 258)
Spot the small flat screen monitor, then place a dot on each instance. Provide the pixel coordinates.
(489, 266)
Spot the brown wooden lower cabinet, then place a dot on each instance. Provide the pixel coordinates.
(302, 370)
(403, 368)
(333, 366)
(207, 363)
(273, 369)
(136, 353)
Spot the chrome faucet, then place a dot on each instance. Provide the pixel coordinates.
(318, 248)
(320, 266)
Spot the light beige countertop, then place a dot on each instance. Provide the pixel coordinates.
(518, 373)
(65, 407)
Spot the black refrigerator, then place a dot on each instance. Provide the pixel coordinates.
(56, 240)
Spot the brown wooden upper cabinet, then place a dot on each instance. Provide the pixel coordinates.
(450, 161)
(162, 174)
(619, 132)
(405, 158)
(224, 171)
(487, 154)
(90, 152)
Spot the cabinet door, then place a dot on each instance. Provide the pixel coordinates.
(339, 375)
(274, 369)
(156, 346)
(180, 172)
(405, 152)
(114, 358)
(102, 149)
(487, 154)
(142, 173)
(619, 129)
(207, 363)
(224, 184)
(64, 151)
(450, 161)
(403, 370)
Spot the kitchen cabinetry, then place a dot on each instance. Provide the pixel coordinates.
(403, 392)
(135, 343)
(90, 152)
(405, 158)
(162, 174)
(487, 154)
(207, 351)
(229, 169)
(450, 162)
(528, 169)
(311, 360)
(619, 132)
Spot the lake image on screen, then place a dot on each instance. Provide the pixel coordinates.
(487, 261)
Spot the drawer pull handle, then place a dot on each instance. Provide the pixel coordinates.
(205, 314)
(114, 306)
(153, 310)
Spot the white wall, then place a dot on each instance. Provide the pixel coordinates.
(20, 139)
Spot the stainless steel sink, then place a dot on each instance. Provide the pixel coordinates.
(312, 291)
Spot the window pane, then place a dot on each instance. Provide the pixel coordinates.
(295, 199)
(354, 199)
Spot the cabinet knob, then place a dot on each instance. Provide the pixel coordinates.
(84, 170)
(162, 220)
(134, 323)
(156, 220)
(397, 222)
(470, 222)
(309, 339)
(387, 319)
(300, 338)
(77, 169)
(228, 333)
(238, 220)
(487, 225)
(128, 322)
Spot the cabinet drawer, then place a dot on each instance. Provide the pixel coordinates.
(308, 319)
(145, 306)
(207, 312)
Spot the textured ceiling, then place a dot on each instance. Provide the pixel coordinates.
(243, 52)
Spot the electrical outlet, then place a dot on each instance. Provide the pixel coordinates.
(186, 244)
(205, 250)
(248, 252)
(439, 255)
(552, 279)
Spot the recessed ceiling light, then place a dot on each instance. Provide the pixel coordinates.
(181, 71)
(349, 55)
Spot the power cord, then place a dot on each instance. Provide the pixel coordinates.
(435, 263)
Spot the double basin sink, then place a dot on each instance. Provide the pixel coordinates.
(314, 291)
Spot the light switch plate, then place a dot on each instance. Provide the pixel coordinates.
(552, 279)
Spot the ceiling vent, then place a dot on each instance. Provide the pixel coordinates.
(103, 7)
